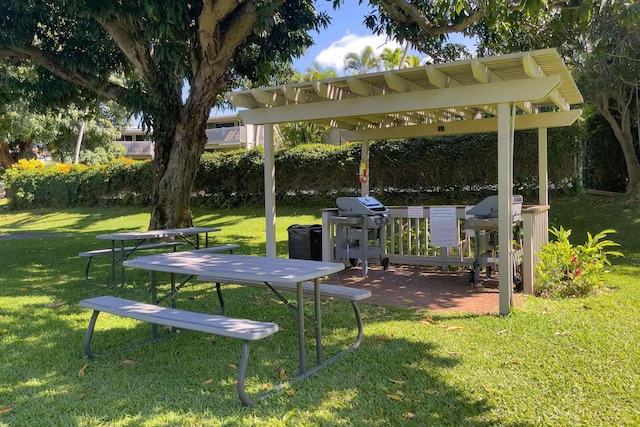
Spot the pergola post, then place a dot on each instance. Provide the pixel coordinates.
(364, 157)
(543, 177)
(505, 220)
(270, 190)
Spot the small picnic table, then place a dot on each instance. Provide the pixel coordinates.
(190, 235)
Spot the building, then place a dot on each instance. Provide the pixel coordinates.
(224, 133)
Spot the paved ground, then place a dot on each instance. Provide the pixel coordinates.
(425, 288)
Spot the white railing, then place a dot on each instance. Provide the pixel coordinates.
(535, 226)
(138, 148)
(227, 135)
(408, 239)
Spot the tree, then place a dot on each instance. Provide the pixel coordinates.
(392, 58)
(602, 47)
(363, 62)
(141, 53)
(427, 24)
(28, 127)
(298, 133)
(315, 71)
(607, 69)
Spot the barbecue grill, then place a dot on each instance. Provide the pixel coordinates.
(358, 230)
(485, 225)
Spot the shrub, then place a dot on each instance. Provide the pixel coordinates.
(565, 270)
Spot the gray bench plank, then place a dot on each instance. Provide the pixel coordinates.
(210, 323)
(243, 329)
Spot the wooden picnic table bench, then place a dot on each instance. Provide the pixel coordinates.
(242, 329)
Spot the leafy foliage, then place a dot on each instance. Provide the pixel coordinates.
(451, 169)
(565, 270)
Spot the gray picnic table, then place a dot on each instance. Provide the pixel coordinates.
(237, 269)
(142, 239)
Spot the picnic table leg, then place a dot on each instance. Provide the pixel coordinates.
(113, 262)
(122, 264)
(301, 341)
(242, 373)
(154, 300)
(89, 335)
(316, 296)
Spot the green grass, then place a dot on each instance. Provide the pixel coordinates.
(566, 362)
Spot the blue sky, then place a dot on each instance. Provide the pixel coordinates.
(345, 34)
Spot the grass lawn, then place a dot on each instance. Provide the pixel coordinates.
(562, 362)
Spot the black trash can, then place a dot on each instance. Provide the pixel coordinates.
(305, 241)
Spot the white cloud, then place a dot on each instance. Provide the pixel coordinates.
(333, 56)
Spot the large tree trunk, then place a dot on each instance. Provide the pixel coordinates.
(621, 126)
(174, 173)
(179, 145)
(6, 158)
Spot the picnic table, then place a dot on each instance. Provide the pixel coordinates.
(142, 240)
(237, 269)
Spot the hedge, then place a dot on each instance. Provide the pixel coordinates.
(402, 171)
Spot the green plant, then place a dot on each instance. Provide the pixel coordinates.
(566, 270)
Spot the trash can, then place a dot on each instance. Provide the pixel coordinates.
(305, 241)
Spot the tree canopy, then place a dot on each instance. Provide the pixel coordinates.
(141, 54)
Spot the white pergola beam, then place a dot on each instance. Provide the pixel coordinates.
(532, 121)
(268, 97)
(505, 190)
(400, 84)
(363, 88)
(458, 97)
(533, 70)
(297, 95)
(270, 190)
(440, 79)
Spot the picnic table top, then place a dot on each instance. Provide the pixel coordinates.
(156, 234)
(238, 268)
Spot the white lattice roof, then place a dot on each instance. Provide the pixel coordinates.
(456, 97)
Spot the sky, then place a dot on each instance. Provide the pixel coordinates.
(346, 33)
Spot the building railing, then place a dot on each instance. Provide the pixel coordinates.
(227, 135)
(408, 239)
(138, 148)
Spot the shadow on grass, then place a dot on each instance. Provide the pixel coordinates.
(189, 379)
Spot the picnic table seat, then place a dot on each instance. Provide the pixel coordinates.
(340, 293)
(243, 329)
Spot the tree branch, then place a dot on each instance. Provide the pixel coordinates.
(137, 53)
(50, 62)
(413, 15)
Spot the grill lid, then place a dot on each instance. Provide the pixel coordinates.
(360, 206)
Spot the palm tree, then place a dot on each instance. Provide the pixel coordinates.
(412, 61)
(363, 62)
(391, 59)
(315, 71)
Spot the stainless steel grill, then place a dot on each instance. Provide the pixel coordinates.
(360, 226)
(485, 225)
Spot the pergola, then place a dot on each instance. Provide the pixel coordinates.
(527, 90)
